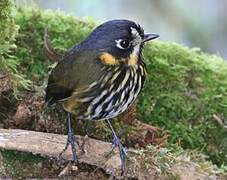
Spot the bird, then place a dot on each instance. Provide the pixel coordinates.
(100, 77)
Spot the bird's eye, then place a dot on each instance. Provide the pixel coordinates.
(122, 43)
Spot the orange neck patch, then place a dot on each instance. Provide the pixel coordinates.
(108, 59)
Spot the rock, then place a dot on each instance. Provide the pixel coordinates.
(23, 114)
(74, 168)
(65, 171)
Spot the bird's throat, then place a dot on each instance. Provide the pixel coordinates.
(132, 60)
(110, 60)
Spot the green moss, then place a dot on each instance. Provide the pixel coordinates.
(12, 156)
(8, 33)
(185, 88)
(20, 164)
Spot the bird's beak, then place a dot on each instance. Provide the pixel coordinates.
(148, 37)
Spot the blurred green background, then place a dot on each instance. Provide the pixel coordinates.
(193, 23)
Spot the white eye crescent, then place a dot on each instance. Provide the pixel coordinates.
(123, 43)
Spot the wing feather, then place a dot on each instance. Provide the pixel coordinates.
(74, 71)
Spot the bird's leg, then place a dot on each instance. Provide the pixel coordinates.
(70, 140)
(116, 142)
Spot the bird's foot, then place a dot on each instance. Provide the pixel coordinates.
(70, 141)
(122, 150)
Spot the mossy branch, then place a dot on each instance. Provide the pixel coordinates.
(138, 164)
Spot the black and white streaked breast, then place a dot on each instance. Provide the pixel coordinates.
(112, 94)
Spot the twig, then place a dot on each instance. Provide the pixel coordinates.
(219, 121)
(51, 53)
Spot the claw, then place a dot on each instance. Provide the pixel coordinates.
(70, 141)
(122, 150)
(123, 153)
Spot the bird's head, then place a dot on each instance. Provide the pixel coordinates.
(118, 41)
